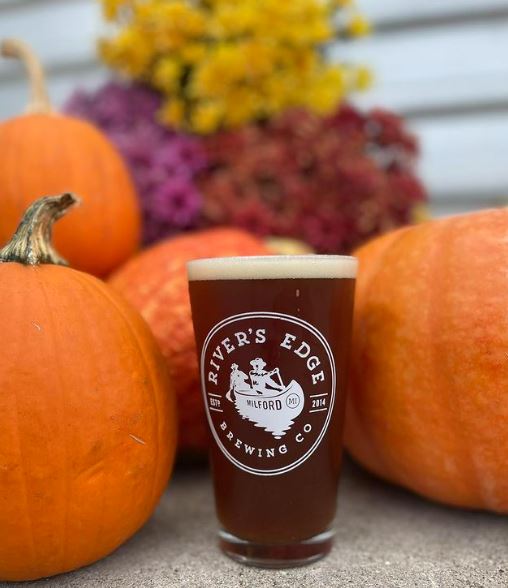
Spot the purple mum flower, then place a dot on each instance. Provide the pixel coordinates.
(164, 163)
(175, 202)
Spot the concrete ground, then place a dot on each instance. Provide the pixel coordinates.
(386, 538)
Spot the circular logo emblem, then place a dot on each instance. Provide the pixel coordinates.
(269, 388)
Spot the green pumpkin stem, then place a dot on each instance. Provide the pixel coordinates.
(39, 99)
(31, 243)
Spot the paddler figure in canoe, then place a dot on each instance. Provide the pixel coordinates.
(237, 382)
(262, 379)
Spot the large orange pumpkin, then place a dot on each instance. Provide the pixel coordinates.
(87, 413)
(43, 152)
(428, 407)
(155, 282)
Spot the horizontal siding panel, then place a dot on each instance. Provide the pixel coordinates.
(437, 70)
(67, 30)
(378, 12)
(14, 97)
(427, 69)
(382, 11)
(439, 209)
(465, 65)
(441, 96)
(464, 158)
(60, 32)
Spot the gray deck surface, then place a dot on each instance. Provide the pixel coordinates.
(386, 538)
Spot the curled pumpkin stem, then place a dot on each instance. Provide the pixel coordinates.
(31, 243)
(39, 99)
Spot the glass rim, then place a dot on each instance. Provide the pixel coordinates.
(272, 267)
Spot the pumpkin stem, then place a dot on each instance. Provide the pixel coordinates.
(31, 243)
(39, 101)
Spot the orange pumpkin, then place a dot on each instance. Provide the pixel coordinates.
(155, 282)
(87, 413)
(43, 152)
(428, 407)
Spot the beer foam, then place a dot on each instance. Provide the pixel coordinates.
(272, 267)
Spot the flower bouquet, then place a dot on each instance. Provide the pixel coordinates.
(234, 114)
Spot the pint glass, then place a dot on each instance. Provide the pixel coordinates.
(273, 337)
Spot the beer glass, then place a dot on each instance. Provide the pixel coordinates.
(273, 337)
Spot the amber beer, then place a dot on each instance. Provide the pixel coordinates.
(273, 335)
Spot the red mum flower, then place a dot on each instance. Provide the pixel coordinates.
(333, 182)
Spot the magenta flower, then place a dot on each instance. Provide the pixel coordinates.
(333, 182)
(164, 163)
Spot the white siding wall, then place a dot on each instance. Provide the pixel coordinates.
(441, 63)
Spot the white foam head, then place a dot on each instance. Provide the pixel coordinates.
(271, 267)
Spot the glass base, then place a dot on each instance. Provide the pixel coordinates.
(276, 555)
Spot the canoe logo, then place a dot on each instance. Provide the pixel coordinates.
(263, 400)
(269, 388)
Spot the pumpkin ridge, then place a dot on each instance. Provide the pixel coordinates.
(13, 140)
(25, 486)
(84, 278)
(368, 433)
(58, 371)
(104, 172)
(468, 448)
(130, 268)
(157, 420)
(77, 275)
(23, 468)
(97, 163)
(100, 526)
(434, 327)
(438, 318)
(161, 287)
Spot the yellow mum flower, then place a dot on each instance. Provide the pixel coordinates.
(223, 66)
(130, 51)
(258, 58)
(193, 53)
(177, 16)
(274, 93)
(305, 61)
(364, 78)
(111, 8)
(166, 74)
(206, 117)
(233, 18)
(173, 113)
(221, 63)
(241, 105)
(340, 3)
(171, 24)
(358, 26)
(327, 92)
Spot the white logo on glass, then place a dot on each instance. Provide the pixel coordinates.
(292, 409)
(264, 399)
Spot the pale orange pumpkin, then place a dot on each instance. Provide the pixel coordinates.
(87, 411)
(155, 282)
(428, 407)
(43, 152)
